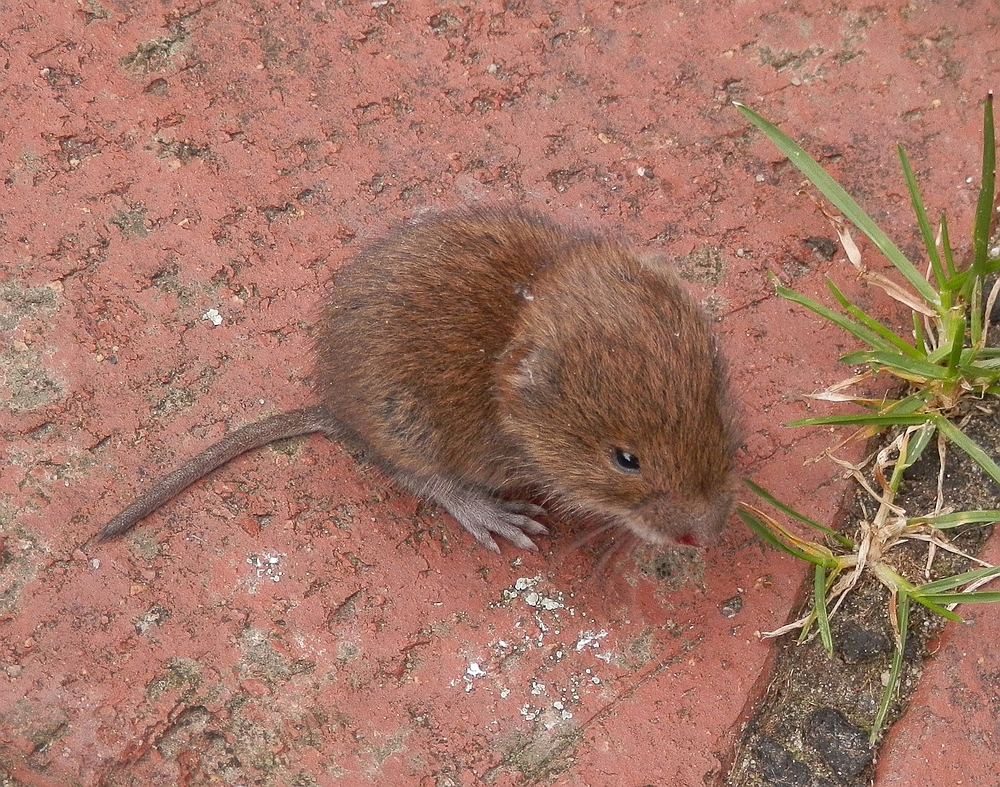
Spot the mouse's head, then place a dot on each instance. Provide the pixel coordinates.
(614, 388)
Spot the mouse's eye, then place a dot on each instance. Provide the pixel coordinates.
(625, 461)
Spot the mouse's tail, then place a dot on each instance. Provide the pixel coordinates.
(277, 427)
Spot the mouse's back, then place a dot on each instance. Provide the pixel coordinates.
(407, 344)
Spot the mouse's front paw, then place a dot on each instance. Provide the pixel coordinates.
(485, 518)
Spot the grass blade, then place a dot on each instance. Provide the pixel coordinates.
(911, 404)
(907, 368)
(864, 419)
(949, 256)
(874, 325)
(950, 583)
(937, 609)
(976, 315)
(785, 509)
(819, 606)
(902, 622)
(956, 338)
(975, 597)
(956, 519)
(758, 526)
(918, 332)
(967, 444)
(921, 214)
(842, 201)
(984, 207)
(859, 332)
(915, 445)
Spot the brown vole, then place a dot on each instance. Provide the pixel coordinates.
(484, 358)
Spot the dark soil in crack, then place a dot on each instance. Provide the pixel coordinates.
(811, 728)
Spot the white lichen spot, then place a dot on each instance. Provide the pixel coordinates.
(520, 585)
(537, 600)
(213, 316)
(526, 583)
(590, 639)
(474, 670)
(266, 566)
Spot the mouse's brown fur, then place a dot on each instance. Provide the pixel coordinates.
(482, 357)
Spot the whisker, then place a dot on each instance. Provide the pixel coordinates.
(615, 550)
(591, 534)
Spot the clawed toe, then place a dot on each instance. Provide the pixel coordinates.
(529, 510)
(512, 527)
(485, 518)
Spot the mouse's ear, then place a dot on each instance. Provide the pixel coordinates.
(529, 369)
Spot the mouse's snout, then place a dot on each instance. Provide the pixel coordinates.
(691, 523)
(689, 540)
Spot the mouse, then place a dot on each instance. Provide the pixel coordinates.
(506, 368)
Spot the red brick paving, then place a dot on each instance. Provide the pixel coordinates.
(296, 617)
